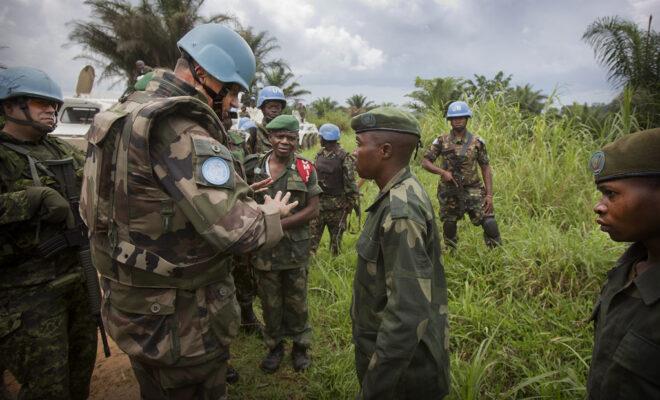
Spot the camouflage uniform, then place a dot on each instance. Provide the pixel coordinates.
(460, 157)
(166, 210)
(244, 278)
(282, 271)
(47, 335)
(259, 143)
(399, 308)
(340, 194)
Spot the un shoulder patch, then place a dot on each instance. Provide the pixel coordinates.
(216, 170)
(597, 162)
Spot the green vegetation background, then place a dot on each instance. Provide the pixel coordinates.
(518, 314)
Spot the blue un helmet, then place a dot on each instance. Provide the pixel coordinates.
(246, 123)
(21, 83)
(271, 93)
(458, 109)
(329, 132)
(223, 53)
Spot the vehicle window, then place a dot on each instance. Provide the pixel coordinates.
(78, 115)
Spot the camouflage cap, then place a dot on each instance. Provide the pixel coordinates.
(633, 155)
(386, 119)
(284, 122)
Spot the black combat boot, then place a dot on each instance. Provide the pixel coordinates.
(249, 321)
(273, 359)
(300, 358)
(232, 375)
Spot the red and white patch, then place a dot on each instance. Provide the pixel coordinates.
(304, 168)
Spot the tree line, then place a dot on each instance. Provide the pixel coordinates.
(119, 33)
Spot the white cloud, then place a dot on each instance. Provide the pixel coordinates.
(332, 49)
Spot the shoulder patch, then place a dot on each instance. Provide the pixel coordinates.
(216, 170)
(305, 168)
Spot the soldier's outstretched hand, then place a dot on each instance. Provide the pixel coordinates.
(280, 202)
(261, 186)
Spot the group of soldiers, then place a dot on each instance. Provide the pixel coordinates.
(185, 221)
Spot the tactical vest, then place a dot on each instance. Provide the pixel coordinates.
(123, 204)
(330, 175)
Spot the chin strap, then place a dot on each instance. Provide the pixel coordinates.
(217, 97)
(28, 121)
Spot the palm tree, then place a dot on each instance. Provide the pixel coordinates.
(529, 100)
(323, 105)
(282, 77)
(121, 33)
(435, 93)
(484, 88)
(357, 104)
(632, 56)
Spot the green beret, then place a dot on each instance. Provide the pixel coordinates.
(386, 119)
(637, 154)
(283, 122)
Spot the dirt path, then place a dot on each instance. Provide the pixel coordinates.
(112, 378)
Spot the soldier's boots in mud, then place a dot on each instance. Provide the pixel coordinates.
(273, 359)
(232, 375)
(300, 358)
(249, 322)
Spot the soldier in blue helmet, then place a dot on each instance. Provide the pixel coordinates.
(271, 102)
(336, 174)
(460, 189)
(167, 211)
(47, 335)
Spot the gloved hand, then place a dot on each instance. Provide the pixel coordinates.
(48, 204)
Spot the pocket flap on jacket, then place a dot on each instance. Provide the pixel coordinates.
(145, 301)
(639, 355)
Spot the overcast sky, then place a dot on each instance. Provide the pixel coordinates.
(374, 47)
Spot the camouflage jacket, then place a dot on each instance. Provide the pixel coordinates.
(350, 189)
(259, 143)
(293, 250)
(463, 153)
(166, 210)
(237, 145)
(399, 289)
(19, 231)
(625, 362)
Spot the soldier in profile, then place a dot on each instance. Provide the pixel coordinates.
(399, 308)
(460, 190)
(625, 363)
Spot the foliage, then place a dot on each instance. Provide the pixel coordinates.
(435, 92)
(282, 77)
(120, 33)
(358, 104)
(337, 117)
(323, 105)
(632, 56)
(518, 313)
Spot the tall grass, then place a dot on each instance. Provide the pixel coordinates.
(517, 313)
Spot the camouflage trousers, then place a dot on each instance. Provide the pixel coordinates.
(244, 279)
(335, 220)
(422, 379)
(48, 339)
(200, 382)
(283, 296)
(450, 205)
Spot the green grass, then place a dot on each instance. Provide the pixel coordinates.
(517, 313)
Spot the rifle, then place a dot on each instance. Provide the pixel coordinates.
(75, 236)
(456, 161)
